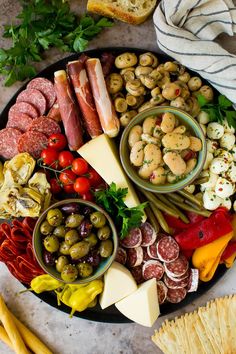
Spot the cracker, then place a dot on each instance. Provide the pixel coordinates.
(203, 337)
(196, 345)
(232, 322)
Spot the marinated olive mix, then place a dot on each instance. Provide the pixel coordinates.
(163, 150)
(75, 240)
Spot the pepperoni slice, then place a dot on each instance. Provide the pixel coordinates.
(23, 107)
(137, 274)
(46, 87)
(148, 234)
(161, 292)
(9, 138)
(32, 142)
(167, 249)
(176, 295)
(121, 256)
(134, 256)
(133, 239)
(19, 121)
(153, 269)
(175, 284)
(178, 267)
(45, 125)
(34, 97)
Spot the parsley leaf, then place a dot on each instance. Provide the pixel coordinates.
(111, 200)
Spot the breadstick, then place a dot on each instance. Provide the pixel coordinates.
(4, 337)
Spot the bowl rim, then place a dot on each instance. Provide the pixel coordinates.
(168, 188)
(114, 237)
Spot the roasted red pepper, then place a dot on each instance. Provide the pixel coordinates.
(229, 251)
(205, 231)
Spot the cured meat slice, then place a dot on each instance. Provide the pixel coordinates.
(54, 112)
(46, 87)
(153, 269)
(161, 292)
(45, 125)
(107, 61)
(184, 276)
(121, 256)
(133, 239)
(152, 251)
(178, 267)
(19, 121)
(193, 280)
(148, 234)
(32, 142)
(137, 274)
(175, 284)
(167, 249)
(134, 256)
(9, 138)
(34, 97)
(176, 295)
(146, 256)
(23, 107)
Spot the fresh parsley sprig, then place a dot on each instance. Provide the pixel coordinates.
(111, 199)
(219, 110)
(44, 24)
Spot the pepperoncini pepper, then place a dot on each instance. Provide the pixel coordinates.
(43, 283)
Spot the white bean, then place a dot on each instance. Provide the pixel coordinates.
(195, 144)
(176, 141)
(135, 135)
(168, 122)
(175, 163)
(137, 153)
(158, 176)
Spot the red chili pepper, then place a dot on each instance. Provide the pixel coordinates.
(229, 251)
(205, 231)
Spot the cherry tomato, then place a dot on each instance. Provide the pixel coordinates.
(94, 178)
(49, 157)
(80, 166)
(57, 141)
(88, 196)
(55, 186)
(69, 188)
(81, 185)
(65, 158)
(67, 177)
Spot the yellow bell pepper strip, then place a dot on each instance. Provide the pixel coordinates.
(230, 261)
(43, 283)
(81, 298)
(207, 258)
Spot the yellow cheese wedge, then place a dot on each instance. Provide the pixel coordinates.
(118, 283)
(101, 153)
(142, 305)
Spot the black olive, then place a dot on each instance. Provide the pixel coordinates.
(49, 258)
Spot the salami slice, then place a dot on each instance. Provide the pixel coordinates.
(121, 256)
(9, 138)
(176, 295)
(161, 292)
(193, 280)
(134, 256)
(148, 234)
(46, 87)
(45, 125)
(32, 142)
(133, 239)
(153, 269)
(167, 249)
(152, 251)
(178, 267)
(19, 121)
(23, 107)
(175, 284)
(34, 97)
(137, 274)
(146, 257)
(184, 276)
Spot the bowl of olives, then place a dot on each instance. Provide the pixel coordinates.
(75, 241)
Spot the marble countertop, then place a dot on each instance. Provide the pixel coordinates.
(77, 336)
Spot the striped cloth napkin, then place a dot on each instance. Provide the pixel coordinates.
(186, 29)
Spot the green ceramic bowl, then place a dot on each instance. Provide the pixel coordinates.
(184, 119)
(38, 244)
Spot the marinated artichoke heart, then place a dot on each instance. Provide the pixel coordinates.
(1, 175)
(39, 183)
(21, 167)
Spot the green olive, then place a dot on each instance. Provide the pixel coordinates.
(69, 273)
(71, 237)
(104, 233)
(98, 219)
(46, 228)
(64, 249)
(60, 231)
(74, 220)
(51, 243)
(91, 239)
(85, 270)
(106, 248)
(61, 262)
(54, 217)
(79, 250)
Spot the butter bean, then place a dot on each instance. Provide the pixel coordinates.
(152, 159)
(158, 176)
(190, 164)
(181, 129)
(135, 135)
(168, 122)
(149, 125)
(176, 141)
(150, 139)
(175, 163)
(195, 144)
(137, 153)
